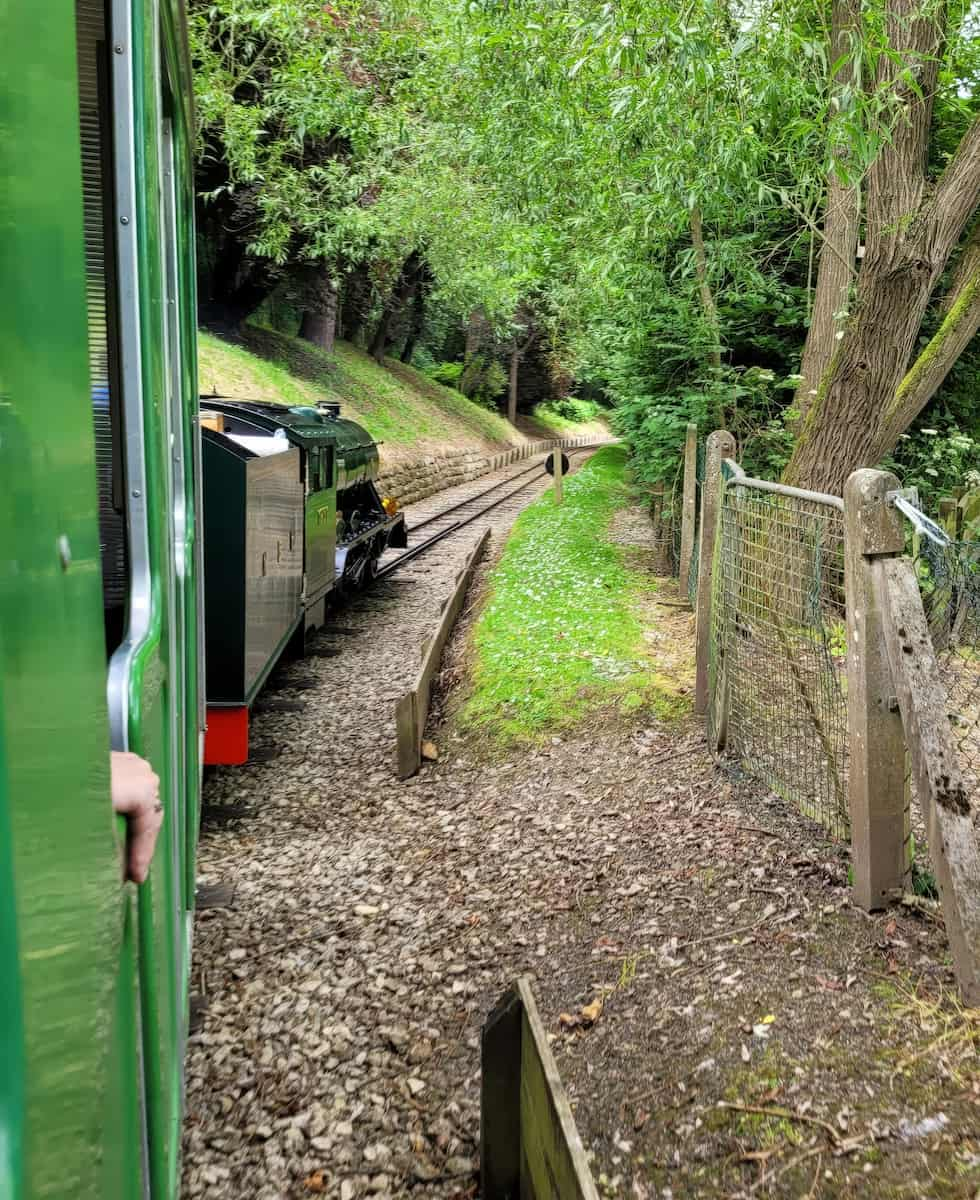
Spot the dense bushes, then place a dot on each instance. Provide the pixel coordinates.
(572, 408)
(482, 379)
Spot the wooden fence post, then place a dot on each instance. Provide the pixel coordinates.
(559, 454)
(721, 445)
(942, 791)
(949, 512)
(690, 508)
(876, 776)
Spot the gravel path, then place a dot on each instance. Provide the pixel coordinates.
(343, 994)
(375, 923)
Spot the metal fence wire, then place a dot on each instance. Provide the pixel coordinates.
(667, 511)
(692, 576)
(777, 665)
(949, 583)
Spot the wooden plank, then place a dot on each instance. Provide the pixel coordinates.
(529, 1145)
(407, 740)
(690, 505)
(412, 709)
(500, 1099)
(940, 786)
(876, 773)
(553, 1162)
(214, 895)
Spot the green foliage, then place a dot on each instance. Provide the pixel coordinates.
(447, 373)
(924, 881)
(573, 409)
(560, 635)
(544, 160)
(483, 380)
(564, 417)
(291, 98)
(939, 460)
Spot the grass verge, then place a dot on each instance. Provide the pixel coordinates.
(562, 632)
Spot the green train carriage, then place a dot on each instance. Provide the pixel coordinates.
(99, 591)
(102, 584)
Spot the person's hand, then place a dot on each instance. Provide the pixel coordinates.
(136, 796)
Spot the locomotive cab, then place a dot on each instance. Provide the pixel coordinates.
(347, 526)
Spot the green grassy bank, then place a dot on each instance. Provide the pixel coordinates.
(562, 632)
(395, 403)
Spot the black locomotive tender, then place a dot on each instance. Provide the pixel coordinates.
(291, 515)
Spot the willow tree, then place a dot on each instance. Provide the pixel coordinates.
(916, 224)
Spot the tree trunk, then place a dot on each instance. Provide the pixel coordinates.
(409, 348)
(400, 295)
(912, 229)
(235, 288)
(835, 270)
(515, 359)
(418, 320)
(704, 288)
(354, 304)
(475, 331)
(319, 323)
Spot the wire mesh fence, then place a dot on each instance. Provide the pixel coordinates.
(667, 513)
(692, 576)
(948, 572)
(777, 666)
(775, 662)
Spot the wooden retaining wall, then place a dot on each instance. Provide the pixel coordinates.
(412, 709)
(530, 1148)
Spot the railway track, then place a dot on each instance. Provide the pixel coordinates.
(451, 520)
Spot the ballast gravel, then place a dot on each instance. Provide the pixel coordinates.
(372, 924)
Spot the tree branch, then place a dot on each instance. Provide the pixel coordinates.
(961, 306)
(528, 344)
(825, 242)
(704, 288)
(841, 224)
(957, 193)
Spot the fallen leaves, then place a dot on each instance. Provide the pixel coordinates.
(585, 1018)
(763, 1028)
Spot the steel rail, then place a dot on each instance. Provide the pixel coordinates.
(479, 496)
(415, 551)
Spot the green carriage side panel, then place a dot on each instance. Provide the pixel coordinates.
(75, 933)
(11, 1020)
(179, 75)
(154, 675)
